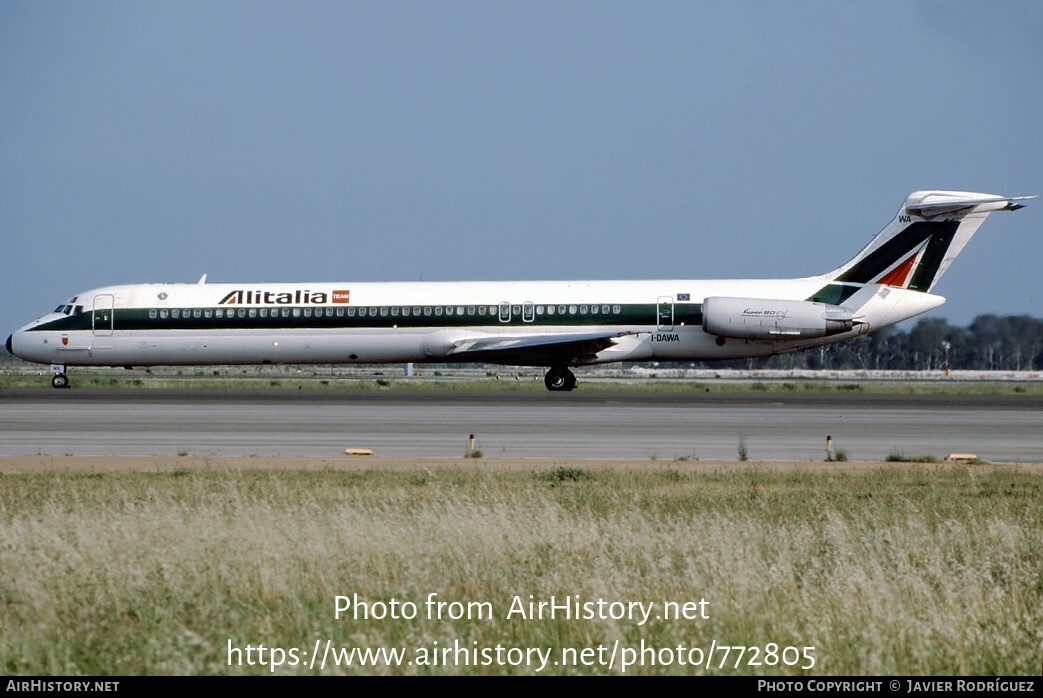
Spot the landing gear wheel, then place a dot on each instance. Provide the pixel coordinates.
(559, 378)
(60, 380)
(555, 380)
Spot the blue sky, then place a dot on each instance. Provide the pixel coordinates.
(400, 140)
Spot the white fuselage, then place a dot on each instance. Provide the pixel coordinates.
(201, 324)
(557, 324)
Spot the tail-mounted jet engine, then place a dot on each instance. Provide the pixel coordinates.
(773, 319)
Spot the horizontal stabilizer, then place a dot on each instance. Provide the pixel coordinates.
(937, 204)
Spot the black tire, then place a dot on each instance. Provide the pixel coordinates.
(60, 380)
(559, 379)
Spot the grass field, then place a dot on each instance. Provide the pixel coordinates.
(905, 569)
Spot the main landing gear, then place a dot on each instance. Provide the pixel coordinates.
(59, 379)
(559, 378)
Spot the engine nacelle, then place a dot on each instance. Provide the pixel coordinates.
(766, 318)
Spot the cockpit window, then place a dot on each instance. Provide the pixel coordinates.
(69, 307)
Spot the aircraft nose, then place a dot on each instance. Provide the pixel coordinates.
(8, 345)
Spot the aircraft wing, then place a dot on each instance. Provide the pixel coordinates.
(536, 350)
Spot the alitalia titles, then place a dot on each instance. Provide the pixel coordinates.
(296, 297)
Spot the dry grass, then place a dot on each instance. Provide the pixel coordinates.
(912, 570)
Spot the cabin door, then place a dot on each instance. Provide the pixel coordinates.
(665, 313)
(102, 321)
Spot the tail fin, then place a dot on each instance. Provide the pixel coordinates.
(919, 244)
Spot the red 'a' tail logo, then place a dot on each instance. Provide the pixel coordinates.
(898, 275)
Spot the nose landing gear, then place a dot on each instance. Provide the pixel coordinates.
(59, 379)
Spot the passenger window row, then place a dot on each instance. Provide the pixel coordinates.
(504, 311)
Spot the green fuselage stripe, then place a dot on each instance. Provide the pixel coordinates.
(316, 317)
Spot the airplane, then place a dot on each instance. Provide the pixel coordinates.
(555, 324)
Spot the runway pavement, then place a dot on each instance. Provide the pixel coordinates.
(404, 424)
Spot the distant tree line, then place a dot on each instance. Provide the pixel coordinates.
(990, 343)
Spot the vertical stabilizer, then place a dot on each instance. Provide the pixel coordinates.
(925, 236)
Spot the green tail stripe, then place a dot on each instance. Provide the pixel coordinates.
(833, 294)
(940, 234)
